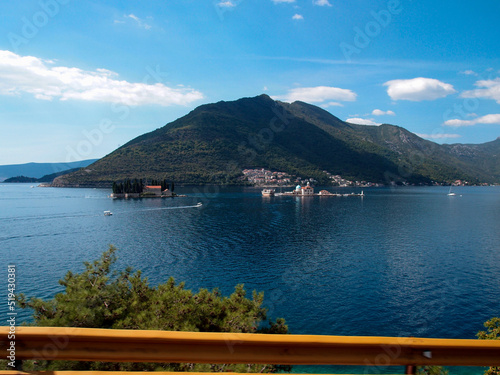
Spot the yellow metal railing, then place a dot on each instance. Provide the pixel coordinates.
(86, 344)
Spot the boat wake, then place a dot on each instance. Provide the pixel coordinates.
(48, 217)
(56, 216)
(160, 209)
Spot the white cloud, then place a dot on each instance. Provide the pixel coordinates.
(332, 104)
(139, 22)
(283, 1)
(438, 135)
(418, 89)
(322, 3)
(457, 123)
(225, 4)
(28, 74)
(490, 90)
(297, 17)
(488, 119)
(361, 121)
(378, 112)
(318, 94)
(469, 73)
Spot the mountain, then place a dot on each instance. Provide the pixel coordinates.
(48, 178)
(215, 142)
(37, 170)
(20, 179)
(485, 156)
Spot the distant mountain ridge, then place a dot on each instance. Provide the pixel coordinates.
(38, 170)
(214, 142)
(48, 178)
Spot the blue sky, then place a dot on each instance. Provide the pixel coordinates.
(80, 78)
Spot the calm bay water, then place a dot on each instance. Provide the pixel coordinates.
(406, 261)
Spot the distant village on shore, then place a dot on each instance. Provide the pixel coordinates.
(266, 178)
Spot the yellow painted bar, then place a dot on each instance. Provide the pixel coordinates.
(7, 372)
(89, 344)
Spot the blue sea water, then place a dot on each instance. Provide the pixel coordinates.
(406, 261)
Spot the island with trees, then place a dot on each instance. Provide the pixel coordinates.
(140, 188)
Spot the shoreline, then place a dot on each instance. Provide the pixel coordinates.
(108, 186)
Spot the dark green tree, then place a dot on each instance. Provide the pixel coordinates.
(128, 186)
(101, 298)
(164, 184)
(492, 333)
(432, 370)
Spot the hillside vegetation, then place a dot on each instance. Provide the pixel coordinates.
(214, 142)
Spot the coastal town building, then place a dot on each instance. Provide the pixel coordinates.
(306, 190)
(263, 177)
(303, 190)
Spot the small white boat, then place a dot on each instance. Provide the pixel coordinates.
(268, 192)
(450, 193)
(108, 213)
(199, 204)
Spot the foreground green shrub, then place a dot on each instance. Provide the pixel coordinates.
(100, 298)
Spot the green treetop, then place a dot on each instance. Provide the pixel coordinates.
(492, 333)
(101, 298)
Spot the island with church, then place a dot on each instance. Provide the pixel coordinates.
(139, 188)
(307, 191)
